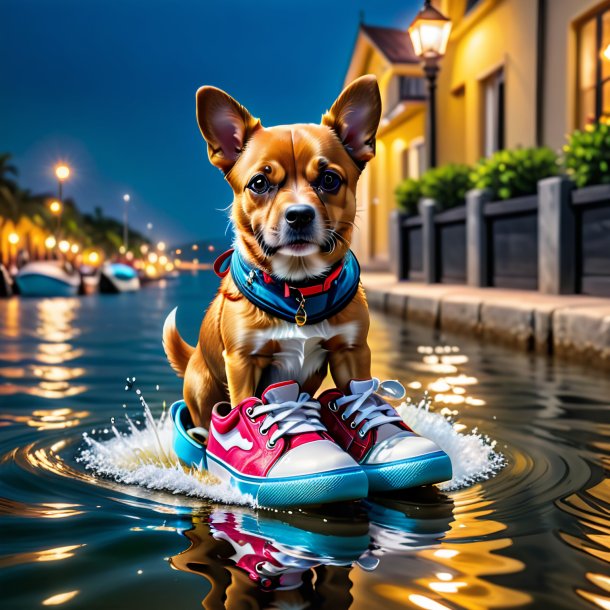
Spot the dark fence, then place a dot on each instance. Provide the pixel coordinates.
(512, 238)
(450, 241)
(411, 265)
(592, 214)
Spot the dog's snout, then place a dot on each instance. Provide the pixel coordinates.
(299, 216)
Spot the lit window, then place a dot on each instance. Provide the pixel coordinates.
(493, 116)
(594, 68)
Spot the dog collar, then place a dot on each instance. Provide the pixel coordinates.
(302, 304)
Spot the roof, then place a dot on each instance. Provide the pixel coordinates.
(393, 43)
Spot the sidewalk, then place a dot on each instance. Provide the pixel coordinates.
(574, 326)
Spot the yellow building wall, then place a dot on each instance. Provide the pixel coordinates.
(496, 34)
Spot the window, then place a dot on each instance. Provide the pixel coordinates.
(411, 88)
(594, 68)
(470, 4)
(493, 114)
(417, 158)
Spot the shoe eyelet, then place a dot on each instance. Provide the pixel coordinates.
(263, 432)
(249, 413)
(343, 418)
(353, 425)
(270, 445)
(332, 405)
(360, 434)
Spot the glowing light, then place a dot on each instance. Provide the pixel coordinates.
(93, 257)
(126, 198)
(161, 246)
(129, 256)
(64, 245)
(50, 242)
(163, 260)
(446, 553)
(606, 53)
(415, 385)
(439, 386)
(143, 248)
(445, 576)
(62, 172)
(195, 247)
(151, 270)
(13, 238)
(153, 257)
(60, 598)
(169, 267)
(149, 226)
(122, 250)
(195, 261)
(178, 251)
(55, 207)
(211, 248)
(425, 602)
(74, 248)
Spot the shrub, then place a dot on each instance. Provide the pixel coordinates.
(515, 173)
(407, 194)
(587, 155)
(447, 184)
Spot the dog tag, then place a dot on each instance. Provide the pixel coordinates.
(300, 317)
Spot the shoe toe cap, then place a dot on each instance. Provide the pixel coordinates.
(312, 458)
(402, 446)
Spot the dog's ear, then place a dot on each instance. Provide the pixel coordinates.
(355, 118)
(225, 124)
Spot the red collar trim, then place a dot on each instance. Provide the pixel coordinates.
(305, 291)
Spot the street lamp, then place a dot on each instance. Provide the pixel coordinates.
(62, 173)
(126, 199)
(429, 34)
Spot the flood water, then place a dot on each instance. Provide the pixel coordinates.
(537, 535)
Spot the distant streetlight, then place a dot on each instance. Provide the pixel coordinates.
(55, 207)
(153, 257)
(50, 242)
(211, 248)
(64, 246)
(144, 248)
(74, 248)
(93, 257)
(126, 199)
(13, 238)
(606, 53)
(429, 34)
(161, 246)
(62, 173)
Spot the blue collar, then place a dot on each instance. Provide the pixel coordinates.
(298, 303)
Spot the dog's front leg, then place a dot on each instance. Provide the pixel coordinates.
(243, 375)
(353, 362)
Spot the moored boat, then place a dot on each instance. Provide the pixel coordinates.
(117, 277)
(47, 279)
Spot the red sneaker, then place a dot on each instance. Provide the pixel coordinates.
(372, 432)
(278, 451)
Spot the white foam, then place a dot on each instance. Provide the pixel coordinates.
(144, 456)
(473, 456)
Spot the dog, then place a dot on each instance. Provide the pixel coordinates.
(293, 215)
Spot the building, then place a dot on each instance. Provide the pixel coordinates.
(516, 73)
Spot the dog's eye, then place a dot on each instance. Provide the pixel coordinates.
(259, 184)
(330, 181)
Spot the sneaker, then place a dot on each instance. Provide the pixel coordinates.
(277, 450)
(372, 432)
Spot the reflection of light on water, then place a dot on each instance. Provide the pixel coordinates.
(603, 582)
(47, 419)
(56, 554)
(56, 353)
(55, 317)
(60, 598)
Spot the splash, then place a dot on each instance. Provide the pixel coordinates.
(143, 455)
(473, 456)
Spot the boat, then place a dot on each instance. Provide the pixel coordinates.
(48, 279)
(118, 277)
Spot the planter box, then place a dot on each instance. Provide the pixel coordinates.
(512, 242)
(450, 238)
(412, 250)
(591, 207)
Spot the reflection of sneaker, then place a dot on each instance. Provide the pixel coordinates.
(277, 450)
(275, 553)
(401, 526)
(372, 432)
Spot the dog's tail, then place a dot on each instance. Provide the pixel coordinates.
(177, 350)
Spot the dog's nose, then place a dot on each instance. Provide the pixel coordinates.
(299, 216)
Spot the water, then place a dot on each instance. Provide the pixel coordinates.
(536, 535)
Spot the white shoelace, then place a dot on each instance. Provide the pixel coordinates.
(368, 406)
(291, 417)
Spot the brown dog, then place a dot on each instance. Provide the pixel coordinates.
(293, 213)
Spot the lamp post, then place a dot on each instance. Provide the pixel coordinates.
(62, 173)
(429, 34)
(126, 199)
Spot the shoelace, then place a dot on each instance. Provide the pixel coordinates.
(291, 417)
(368, 406)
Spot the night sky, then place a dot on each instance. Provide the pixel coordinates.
(109, 87)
